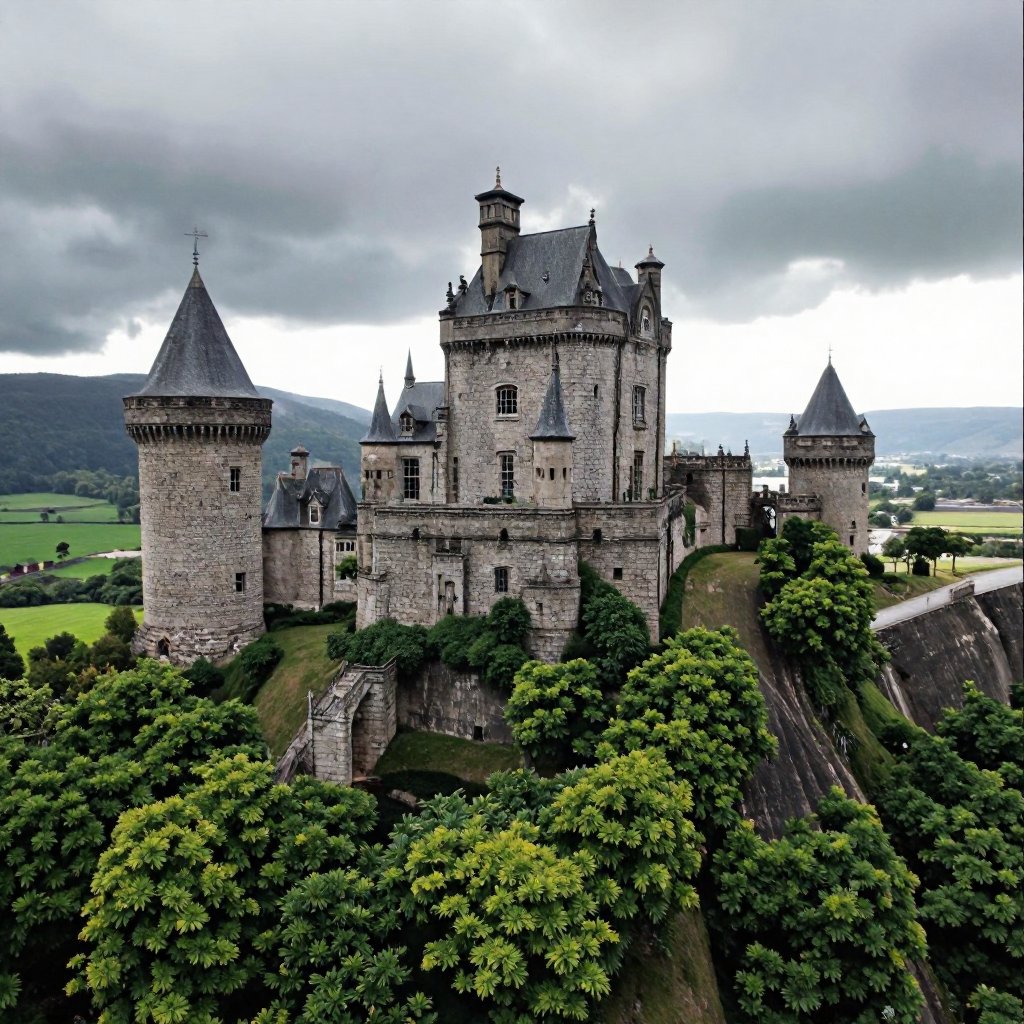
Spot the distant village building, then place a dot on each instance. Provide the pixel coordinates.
(542, 447)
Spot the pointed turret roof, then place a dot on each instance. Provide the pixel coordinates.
(553, 424)
(197, 358)
(381, 427)
(829, 412)
(410, 377)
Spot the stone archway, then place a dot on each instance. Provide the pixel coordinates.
(163, 647)
(365, 738)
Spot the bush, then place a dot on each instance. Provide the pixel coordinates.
(258, 661)
(747, 538)
(509, 620)
(921, 567)
(504, 662)
(452, 637)
(204, 676)
(382, 641)
(347, 568)
(284, 616)
(874, 565)
(121, 623)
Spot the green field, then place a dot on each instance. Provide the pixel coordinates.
(83, 570)
(30, 627)
(999, 524)
(39, 500)
(34, 542)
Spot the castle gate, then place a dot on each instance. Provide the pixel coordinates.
(352, 724)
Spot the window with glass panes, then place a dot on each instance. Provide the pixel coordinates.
(411, 479)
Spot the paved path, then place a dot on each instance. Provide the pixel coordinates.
(983, 582)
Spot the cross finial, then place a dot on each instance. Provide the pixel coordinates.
(497, 177)
(196, 234)
(830, 354)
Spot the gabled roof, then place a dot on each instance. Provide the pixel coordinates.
(553, 423)
(197, 358)
(829, 412)
(324, 484)
(547, 266)
(421, 400)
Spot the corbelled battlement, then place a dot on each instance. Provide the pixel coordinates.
(150, 419)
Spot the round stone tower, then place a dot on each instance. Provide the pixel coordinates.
(199, 424)
(829, 451)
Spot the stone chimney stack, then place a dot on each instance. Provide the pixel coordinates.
(300, 463)
(499, 222)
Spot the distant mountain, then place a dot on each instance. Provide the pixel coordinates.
(982, 431)
(50, 422)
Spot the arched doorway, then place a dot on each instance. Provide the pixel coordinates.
(365, 748)
(163, 648)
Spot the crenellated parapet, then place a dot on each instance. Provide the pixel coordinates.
(153, 419)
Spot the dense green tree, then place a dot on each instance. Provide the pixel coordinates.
(189, 887)
(521, 934)
(631, 814)
(895, 548)
(961, 830)
(452, 637)
(12, 666)
(957, 545)
(924, 501)
(122, 624)
(62, 550)
(379, 643)
(557, 712)
(616, 631)
(790, 555)
(509, 620)
(993, 1007)
(819, 926)
(697, 701)
(988, 733)
(927, 542)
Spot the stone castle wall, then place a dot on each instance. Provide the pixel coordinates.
(720, 484)
(599, 367)
(299, 568)
(197, 533)
(836, 471)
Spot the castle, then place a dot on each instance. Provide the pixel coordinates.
(543, 446)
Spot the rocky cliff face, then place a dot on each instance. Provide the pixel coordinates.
(976, 638)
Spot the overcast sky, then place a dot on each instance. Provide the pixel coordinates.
(812, 173)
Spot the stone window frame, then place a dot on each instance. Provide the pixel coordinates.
(636, 475)
(411, 478)
(646, 322)
(406, 424)
(234, 479)
(344, 547)
(239, 582)
(501, 578)
(506, 401)
(314, 513)
(639, 405)
(507, 474)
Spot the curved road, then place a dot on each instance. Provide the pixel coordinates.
(983, 582)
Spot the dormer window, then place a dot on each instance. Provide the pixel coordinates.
(405, 424)
(507, 400)
(645, 322)
(314, 513)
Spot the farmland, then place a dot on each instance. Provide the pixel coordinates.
(31, 626)
(35, 542)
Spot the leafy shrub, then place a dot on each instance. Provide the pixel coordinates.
(747, 538)
(921, 567)
(380, 642)
(204, 676)
(509, 620)
(503, 663)
(819, 925)
(284, 616)
(258, 661)
(121, 623)
(874, 565)
(452, 637)
(12, 665)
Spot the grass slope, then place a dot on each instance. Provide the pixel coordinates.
(30, 627)
(35, 542)
(84, 569)
(433, 752)
(281, 701)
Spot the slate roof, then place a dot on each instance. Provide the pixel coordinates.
(559, 256)
(381, 427)
(420, 399)
(197, 358)
(290, 498)
(829, 412)
(553, 423)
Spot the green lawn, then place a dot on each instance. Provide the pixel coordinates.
(281, 702)
(83, 570)
(31, 626)
(39, 500)
(997, 524)
(434, 752)
(35, 542)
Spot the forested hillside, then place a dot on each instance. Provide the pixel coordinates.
(51, 422)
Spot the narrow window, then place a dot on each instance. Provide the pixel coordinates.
(639, 403)
(595, 391)
(314, 514)
(341, 546)
(411, 479)
(507, 400)
(405, 424)
(455, 478)
(851, 540)
(636, 480)
(235, 479)
(503, 537)
(507, 466)
(239, 582)
(597, 536)
(415, 533)
(511, 300)
(863, 488)
(551, 473)
(501, 579)
(478, 733)
(617, 573)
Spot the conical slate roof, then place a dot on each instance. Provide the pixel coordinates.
(829, 412)
(197, 358)
(381, 427)
(553, 424)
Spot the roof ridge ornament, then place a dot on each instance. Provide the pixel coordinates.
(497, 176)
(196, 234)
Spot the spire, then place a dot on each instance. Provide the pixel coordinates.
(197, 358)
(650, 260)
(410, 377)
(829, 412)
(553, 424)
(381, 427)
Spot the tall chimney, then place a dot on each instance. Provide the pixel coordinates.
(499, 221)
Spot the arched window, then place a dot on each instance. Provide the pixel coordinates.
(507, 400)
(415, 533)
(597, 536)
(503, 537)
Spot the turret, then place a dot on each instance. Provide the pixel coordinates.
(650, 267)
(829, 451)
(199, 425)
(377, 450)
(299, 462)
(499, 222)
(552, 448)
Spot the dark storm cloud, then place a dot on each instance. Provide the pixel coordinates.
(331, 151)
